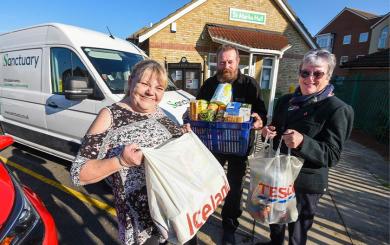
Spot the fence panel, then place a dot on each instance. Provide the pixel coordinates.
(369, 98)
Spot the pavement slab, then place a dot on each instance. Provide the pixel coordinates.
(354, 211)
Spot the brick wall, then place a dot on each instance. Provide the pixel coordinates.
(192, 40)
(348, 23)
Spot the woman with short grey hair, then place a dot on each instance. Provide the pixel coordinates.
(317, 55)
(314, 124)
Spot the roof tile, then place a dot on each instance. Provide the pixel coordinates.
(252, 38)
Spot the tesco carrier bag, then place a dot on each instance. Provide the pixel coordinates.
(185, 185)
(271, 197)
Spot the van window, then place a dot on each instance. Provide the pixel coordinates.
(65, 64)
(113, 66)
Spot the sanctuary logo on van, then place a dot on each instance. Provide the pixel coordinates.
(20, 60)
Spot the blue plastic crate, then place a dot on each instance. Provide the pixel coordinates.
(223, 137)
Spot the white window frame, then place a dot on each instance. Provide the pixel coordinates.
(359, 55)
(347, 39)
(363, 37)
(343, 59)
(211, 64)
(328, 37)
(263, 67)
(383, 36)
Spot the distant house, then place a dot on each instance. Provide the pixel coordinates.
(380, 35)
(374, 65)
(270, 37)
(348, 35)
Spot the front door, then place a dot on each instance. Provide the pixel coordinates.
(186, 76)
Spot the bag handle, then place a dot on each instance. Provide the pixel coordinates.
(259, 144)
(279, 146)
(266, 140)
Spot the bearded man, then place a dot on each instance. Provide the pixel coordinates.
(245, 89)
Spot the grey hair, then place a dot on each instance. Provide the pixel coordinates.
(315, 56)
(227, 47)
(147, 67)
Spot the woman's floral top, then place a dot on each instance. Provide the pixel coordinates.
(129, 185)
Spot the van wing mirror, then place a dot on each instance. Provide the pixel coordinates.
(76, 88)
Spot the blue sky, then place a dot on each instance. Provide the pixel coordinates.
(124, 17)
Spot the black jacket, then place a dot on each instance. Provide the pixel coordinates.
(245, 90)
(325, 126)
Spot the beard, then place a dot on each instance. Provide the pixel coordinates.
(227, 75)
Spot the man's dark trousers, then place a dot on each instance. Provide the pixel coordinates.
(231, 210)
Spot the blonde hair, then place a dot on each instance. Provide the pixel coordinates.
(144, 68)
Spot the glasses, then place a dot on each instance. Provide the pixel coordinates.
(315, 74)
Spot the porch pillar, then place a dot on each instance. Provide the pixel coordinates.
(251, 73)
(274, 77)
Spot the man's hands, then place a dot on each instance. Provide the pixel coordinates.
(258, 123)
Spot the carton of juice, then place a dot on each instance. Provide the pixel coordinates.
(223, 94)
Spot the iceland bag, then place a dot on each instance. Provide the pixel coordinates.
(271, 196)
(185, 184)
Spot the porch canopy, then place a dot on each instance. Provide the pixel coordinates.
(254, 41)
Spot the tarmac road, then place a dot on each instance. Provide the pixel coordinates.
(79, 217)
(355, 211)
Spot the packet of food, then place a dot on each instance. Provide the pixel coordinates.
(232, 118)
(233, 108)
(194, 110)
(207, 115)
(245, 112)
(202, 105)
(213, 106)
(223, 94)
(219, 116)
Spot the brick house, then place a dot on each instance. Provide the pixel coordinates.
(347, 35)
(380, 35)
(270, 37)
(376, 62)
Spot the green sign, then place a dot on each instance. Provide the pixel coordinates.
(247, 16)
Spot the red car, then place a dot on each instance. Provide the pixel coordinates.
(23, 217)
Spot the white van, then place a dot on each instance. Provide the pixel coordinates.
(55, 78)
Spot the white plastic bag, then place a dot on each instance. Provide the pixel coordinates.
(271, 197)
(185, 184)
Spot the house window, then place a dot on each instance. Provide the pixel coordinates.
(383, 37)
(363, 37)
(360, 55)
(347, 39)
(343, 59)
(325, 41)
(265, 82)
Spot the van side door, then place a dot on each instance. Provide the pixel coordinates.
(21, 100)
(68, 120)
